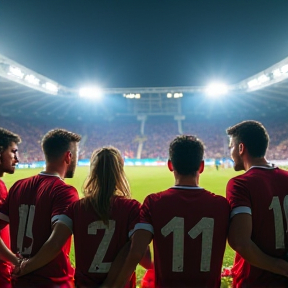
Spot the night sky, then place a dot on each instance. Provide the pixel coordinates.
(144, 43)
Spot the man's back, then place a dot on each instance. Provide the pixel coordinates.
(264, 191)
(190, 228)
(31, 207)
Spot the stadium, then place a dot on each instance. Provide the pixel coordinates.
(141, 122)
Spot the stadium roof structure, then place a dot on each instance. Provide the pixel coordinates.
(26, 92)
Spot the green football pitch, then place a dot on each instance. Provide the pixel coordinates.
(146, 180)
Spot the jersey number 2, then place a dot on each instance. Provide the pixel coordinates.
(176, 225)
(97, 266)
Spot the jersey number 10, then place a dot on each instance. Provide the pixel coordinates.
(278, 220)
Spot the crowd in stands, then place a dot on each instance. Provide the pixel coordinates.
(125, 135)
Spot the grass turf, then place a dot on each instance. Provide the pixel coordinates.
(143, 181)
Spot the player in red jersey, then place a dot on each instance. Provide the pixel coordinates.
(34, 204)
(101, 221)
(8, 160)
(187, 223)
(259, 210)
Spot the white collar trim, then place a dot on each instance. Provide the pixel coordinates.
(270, 167)
(187, 187)
(51, 175)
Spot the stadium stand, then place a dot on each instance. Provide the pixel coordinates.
(125, 134)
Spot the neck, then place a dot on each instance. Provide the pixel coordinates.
(255, 162)
(53, 169)
(183, 180)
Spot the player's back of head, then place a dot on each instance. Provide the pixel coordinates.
(6, 138)
(106, 178)
(253, 135)
(186, 154)
(57, 141)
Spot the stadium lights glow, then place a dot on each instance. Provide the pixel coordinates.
(216, 89)
(178, 95)
(90, 92)
(50, 87)
(263, 78)
(276, 73)
(15, 71)
(131, 96)
(253, 83)
(32, 79)
(175, 95)
(284, 69)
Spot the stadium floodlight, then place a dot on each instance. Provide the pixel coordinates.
(132, 95)
(90, 92)
(284, 69)
(263, 78)
(15, 71)
(50, 87)
(32, 79)
(276, 73)
(178, 95)
(253, 83)
(169, 95)
(216, 89)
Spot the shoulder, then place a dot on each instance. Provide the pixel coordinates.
(217, 199)
(60, 186)
(24, 182)
(125, 202)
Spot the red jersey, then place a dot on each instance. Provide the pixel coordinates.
(31, 207)
(5, 268)
(190, 228)
(261, 192)
(97, 244)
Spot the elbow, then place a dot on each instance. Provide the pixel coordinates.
(241, 246)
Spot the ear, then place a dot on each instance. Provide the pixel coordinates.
(241, 148)
(68, 157)
(201, 168)
(170, 166)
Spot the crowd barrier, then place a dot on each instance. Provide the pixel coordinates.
(226, 162)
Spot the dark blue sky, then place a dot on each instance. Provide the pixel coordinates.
(144, 43)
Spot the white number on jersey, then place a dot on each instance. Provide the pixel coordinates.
(25, 227)
(176, 226)
(97, 266)
(278, 220)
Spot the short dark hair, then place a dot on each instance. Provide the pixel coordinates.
(186, 154)
(253, 135)
(57, 141)
(6, 138)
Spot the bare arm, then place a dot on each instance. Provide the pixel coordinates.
(117, 265)
(49, 250)
(239, 238)
(146, 261)
(140, 241)
(6, 254)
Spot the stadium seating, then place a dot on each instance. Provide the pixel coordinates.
(124, 134)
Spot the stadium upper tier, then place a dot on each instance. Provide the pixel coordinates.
(158, 132)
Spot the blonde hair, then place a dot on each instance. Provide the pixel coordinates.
(106, 179)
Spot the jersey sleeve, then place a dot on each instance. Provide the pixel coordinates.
(145, 220)
(67, 217)
(133, 217)
(238, 197)
(64, 196)
(4, 205)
